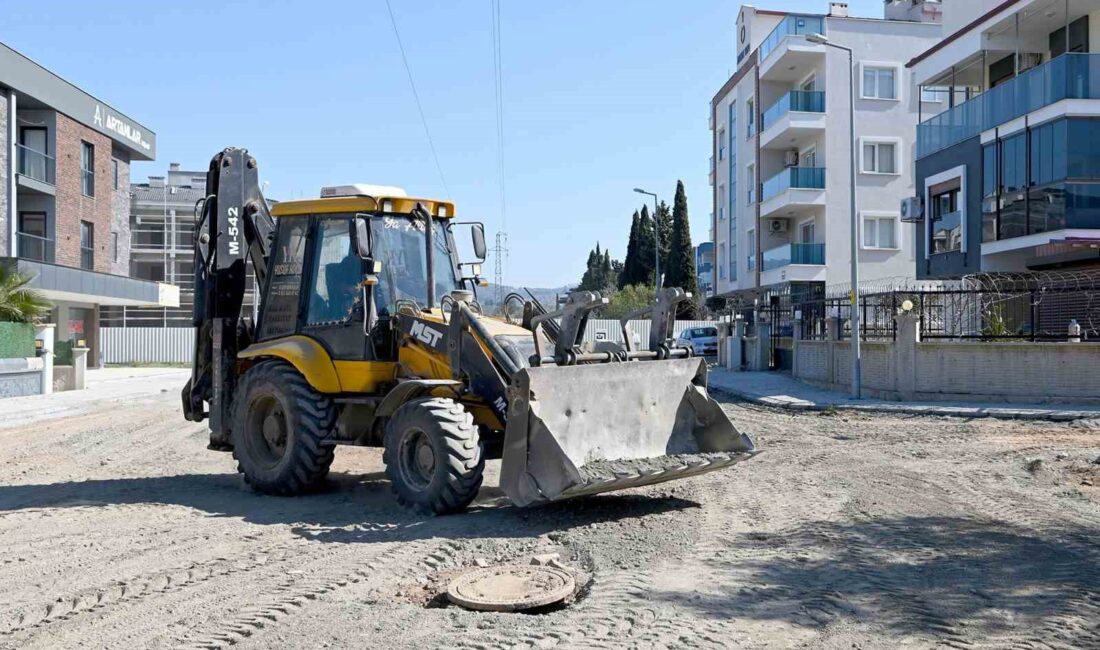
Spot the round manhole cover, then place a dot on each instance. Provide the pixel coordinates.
(510, 588)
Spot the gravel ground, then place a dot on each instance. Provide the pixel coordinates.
(119, 529)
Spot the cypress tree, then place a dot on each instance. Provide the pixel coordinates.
(664, 231)
(681, 264)
(645, 249)
(629, 273)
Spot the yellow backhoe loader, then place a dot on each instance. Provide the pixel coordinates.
(369, 332)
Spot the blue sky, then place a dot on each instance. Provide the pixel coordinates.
(600, 97)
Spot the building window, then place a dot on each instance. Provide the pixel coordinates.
(721, 202)
(721, 144)
(750, 249)
(806, 232)
(750, 118)
(114, 246)
(880, 231)
(33, 237)
(946, 219)
(880, 156)
(721, 261)
(87, 168)
(114, 172)
(880, 82)
(934, 94)
(87, 245)
(750, 179)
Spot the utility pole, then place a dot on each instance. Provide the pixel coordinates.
(656, 241)
(500, 259)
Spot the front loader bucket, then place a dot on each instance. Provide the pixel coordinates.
(586, 429)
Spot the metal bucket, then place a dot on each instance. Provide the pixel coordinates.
(586, 429)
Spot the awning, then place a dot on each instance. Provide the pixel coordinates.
(64, 283)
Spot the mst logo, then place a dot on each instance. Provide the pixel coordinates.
(425, 334)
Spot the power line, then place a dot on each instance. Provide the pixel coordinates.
(500, 250)
(416, 96)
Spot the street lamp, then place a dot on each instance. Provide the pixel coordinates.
(820, 39)
(656, 240)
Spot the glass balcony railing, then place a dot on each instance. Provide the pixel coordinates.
(1070, 76)
(34, 164)
(799, 178)
(35, 247)
(791, 26)
(788, 254)
(799, 101)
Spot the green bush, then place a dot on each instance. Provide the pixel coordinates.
(63, 353)
(16, 340)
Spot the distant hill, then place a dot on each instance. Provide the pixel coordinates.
(487, 295)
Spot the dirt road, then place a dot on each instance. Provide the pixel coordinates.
(119, 529)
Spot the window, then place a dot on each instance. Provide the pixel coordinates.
(880, 157)
(990, 189)
(880, 82)
(808, 158)
(114, 246)
(933, 94)
(750, 249)
(87, 245)
(721, 144)
(337, 273)
(721, 261)
(806, 232)
(750, 118)
(721, 202)
(87, 168)
(1014, 163)
(33, 239)
(280, 310)
(750, 180)
(946, 219)
(880, 231)
(114, 172)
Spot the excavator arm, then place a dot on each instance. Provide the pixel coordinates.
(234, 228)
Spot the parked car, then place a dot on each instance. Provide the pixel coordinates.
(703, 341)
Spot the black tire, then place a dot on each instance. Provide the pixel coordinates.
(281, 428)
(433, 456)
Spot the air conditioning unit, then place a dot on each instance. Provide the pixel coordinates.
(912, 209)
(777, 226)
(792, 158)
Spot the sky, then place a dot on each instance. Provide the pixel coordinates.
(599, 98)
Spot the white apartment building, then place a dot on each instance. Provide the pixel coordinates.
(781, 162)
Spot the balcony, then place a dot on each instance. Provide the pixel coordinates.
(786, 55)
(1070, 76)
(793, 262)
(793, 191)
(789, 254)
(35, 247)
(34, 169)
(796, 118)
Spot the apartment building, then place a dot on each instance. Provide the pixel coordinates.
(1008, 165)
(65, 196)
(780, 169)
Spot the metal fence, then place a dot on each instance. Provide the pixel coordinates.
(1037, 306)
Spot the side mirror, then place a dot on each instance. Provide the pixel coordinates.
(477, 233)
(364, 245)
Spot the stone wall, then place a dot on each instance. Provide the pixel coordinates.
(910, 369)
(120, 212)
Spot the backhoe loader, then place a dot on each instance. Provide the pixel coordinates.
(369, 332)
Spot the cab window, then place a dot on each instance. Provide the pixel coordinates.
(280, 310)
(337, 273)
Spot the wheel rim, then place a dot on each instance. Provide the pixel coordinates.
(268, 430)
(417, 459)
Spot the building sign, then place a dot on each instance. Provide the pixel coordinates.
(106, 119)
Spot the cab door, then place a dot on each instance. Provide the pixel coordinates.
(333, 291)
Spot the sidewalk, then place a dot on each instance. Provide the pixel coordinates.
(109, 385)
(780, 390)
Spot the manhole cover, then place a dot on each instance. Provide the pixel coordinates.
(510, 588)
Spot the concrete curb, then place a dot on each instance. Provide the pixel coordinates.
(1000, 413)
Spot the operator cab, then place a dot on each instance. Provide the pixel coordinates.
(328, 284)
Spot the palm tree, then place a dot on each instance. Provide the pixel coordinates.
(18, 302)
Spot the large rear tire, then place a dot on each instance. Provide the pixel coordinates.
(433, 456)
(281, 428)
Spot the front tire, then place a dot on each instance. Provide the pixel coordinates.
(433, 456)
(281, 427)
